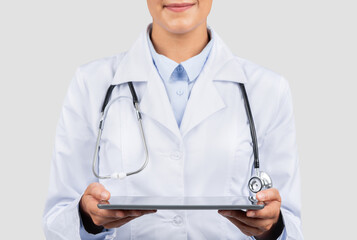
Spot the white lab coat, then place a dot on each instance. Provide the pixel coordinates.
(210, 155)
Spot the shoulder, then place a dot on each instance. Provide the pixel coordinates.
(263, 82)
(91, 80)
(267, 92)
(100, 71)
(260, 76)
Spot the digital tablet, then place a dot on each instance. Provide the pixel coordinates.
(188, 203)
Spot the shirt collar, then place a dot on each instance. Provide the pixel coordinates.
(192, 66)
(222, 64)
(164, 65)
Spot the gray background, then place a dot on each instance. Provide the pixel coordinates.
(312, 43)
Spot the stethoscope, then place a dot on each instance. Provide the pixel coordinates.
(257, 182)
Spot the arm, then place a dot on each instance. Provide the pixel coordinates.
(71, 163)
(280, 219)
(281, 162)
(71, 209)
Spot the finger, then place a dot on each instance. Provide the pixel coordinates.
(247, 230)
(98, 191)
(232, 213)
(270, 211)
(103, 217)
(271, 194)
(104, 213)
(262, 224)
(137, 213)
(119, 214)
(121, 222)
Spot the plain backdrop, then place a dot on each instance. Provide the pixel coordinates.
(311, 43)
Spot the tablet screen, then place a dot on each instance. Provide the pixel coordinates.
(151, 203)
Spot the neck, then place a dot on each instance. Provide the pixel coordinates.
(179, 47)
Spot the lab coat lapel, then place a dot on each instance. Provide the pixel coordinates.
(155, 104)
(137, 66)
(205, 100)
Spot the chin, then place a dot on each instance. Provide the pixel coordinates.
(180, 26)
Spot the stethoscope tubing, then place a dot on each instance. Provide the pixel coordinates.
(104, 110)
(251, 126)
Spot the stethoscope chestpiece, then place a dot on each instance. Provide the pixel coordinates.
(259, 182)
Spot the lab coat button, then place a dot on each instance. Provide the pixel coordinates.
(177, 221)
(179, 68)
(176, 155)
(179, 92)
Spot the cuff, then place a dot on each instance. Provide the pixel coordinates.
(281, 237)
(277, 232)
(62, 222)
(292, 223)
(104, 234)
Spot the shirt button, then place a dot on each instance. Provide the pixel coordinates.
(179, 68)
(177, 220)
(179, 92)
(176, 155)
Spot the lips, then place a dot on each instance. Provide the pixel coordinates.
(179, 7)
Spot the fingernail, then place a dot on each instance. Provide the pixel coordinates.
(104, 195)
(261, 196)
(250, 214)
(224, 213)
(137, 214)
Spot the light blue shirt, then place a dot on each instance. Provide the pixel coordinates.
(179, 78)
(71, 165)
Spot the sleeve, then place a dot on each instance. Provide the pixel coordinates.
(280, 159)
(71, 165)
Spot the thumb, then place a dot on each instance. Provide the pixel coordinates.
(99, 192)
(271, 194)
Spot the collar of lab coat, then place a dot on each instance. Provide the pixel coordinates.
(137, 66)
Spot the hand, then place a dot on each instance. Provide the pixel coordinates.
(94, 219)
(263, 224)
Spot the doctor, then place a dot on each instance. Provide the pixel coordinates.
(197, 134)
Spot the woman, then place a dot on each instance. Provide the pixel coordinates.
(198, 138)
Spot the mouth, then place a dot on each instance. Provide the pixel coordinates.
(179, 7)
